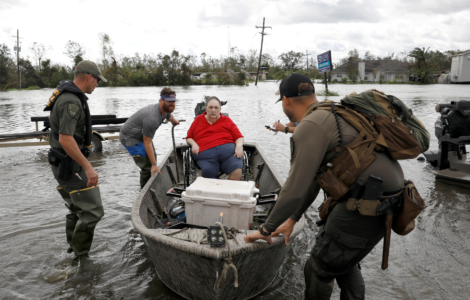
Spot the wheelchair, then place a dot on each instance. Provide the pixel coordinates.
(190, 167)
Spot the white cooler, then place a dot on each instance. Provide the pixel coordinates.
(206, 198)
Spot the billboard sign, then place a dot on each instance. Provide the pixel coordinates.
(324, 62)
(264, 67)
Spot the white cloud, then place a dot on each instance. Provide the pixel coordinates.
(193, 27)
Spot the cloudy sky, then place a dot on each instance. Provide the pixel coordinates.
(193, 27)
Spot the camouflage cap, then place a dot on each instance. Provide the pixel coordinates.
(89, 67)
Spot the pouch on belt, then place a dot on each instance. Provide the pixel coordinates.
(413, 204)
(89, 202)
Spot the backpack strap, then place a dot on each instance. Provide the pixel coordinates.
(353, 159)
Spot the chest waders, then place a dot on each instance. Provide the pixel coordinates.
(84, 204)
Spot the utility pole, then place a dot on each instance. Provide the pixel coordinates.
(18, 55)
(261, 51)
(306, 51)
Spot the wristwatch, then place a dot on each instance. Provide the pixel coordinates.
(264, 233)
(286, 129)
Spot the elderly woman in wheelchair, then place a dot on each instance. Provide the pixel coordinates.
(216, 143)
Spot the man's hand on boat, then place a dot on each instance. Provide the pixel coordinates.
(286, 229)
(155, 169)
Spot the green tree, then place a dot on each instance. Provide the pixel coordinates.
(421, 67)
(28, 74)
(291, 60)
(5, 64)
(74, 51)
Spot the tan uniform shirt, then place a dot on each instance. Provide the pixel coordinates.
(315, 135)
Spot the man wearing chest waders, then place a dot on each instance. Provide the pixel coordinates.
(70, 140)
(347, 236)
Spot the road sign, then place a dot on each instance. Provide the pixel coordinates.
(324, 62)
(264, 67)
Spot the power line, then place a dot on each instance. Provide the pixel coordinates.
(261, 51)
(18, 49)
(306, 53)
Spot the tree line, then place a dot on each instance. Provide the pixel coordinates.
(176, 68)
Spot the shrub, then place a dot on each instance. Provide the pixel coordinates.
(344, 80)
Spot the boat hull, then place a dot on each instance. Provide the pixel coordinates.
(194, 270)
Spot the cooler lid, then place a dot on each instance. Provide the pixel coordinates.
(220, 189)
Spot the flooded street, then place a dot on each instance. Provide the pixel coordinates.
(432, 262)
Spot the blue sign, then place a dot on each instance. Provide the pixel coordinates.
(324, 62)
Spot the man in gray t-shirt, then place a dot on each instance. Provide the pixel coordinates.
(137, 133)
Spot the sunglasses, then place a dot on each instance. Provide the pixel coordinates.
(97, 78)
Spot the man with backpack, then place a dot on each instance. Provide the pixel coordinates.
(353, 169)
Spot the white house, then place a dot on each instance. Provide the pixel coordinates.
(460, 68)
(372, 71)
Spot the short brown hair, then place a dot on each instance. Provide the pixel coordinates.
(303, 87)
(167, 92)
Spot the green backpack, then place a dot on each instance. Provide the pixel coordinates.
(404, 134)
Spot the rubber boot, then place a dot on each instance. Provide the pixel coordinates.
(89, 212)
(145, 169)
(71, 219)
(316, 288)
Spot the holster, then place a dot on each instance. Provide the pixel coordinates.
(65, 168)
(64, 162)
(326, 207)
(54, 157)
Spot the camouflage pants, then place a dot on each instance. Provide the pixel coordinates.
(340, 245)
(85, 210)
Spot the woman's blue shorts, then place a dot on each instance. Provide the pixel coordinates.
(219, 158)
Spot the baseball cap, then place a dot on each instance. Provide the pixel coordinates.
(89, 67)
(289, 86)
(171, 97)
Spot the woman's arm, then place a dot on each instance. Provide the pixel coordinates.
(194, 145)
(239, 147)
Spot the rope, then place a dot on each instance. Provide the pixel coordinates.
(175, 232)
(203, 236)
(228, 264)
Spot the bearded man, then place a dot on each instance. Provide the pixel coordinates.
(137, 133)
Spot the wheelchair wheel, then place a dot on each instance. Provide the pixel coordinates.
(246, 167)
(188, 168)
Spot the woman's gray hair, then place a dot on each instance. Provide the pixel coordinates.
(213, 98)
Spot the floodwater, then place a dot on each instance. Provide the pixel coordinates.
(432, 262)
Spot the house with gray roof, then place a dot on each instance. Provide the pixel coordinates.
(372, 71)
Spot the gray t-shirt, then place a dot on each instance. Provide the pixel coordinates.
(144, 122)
